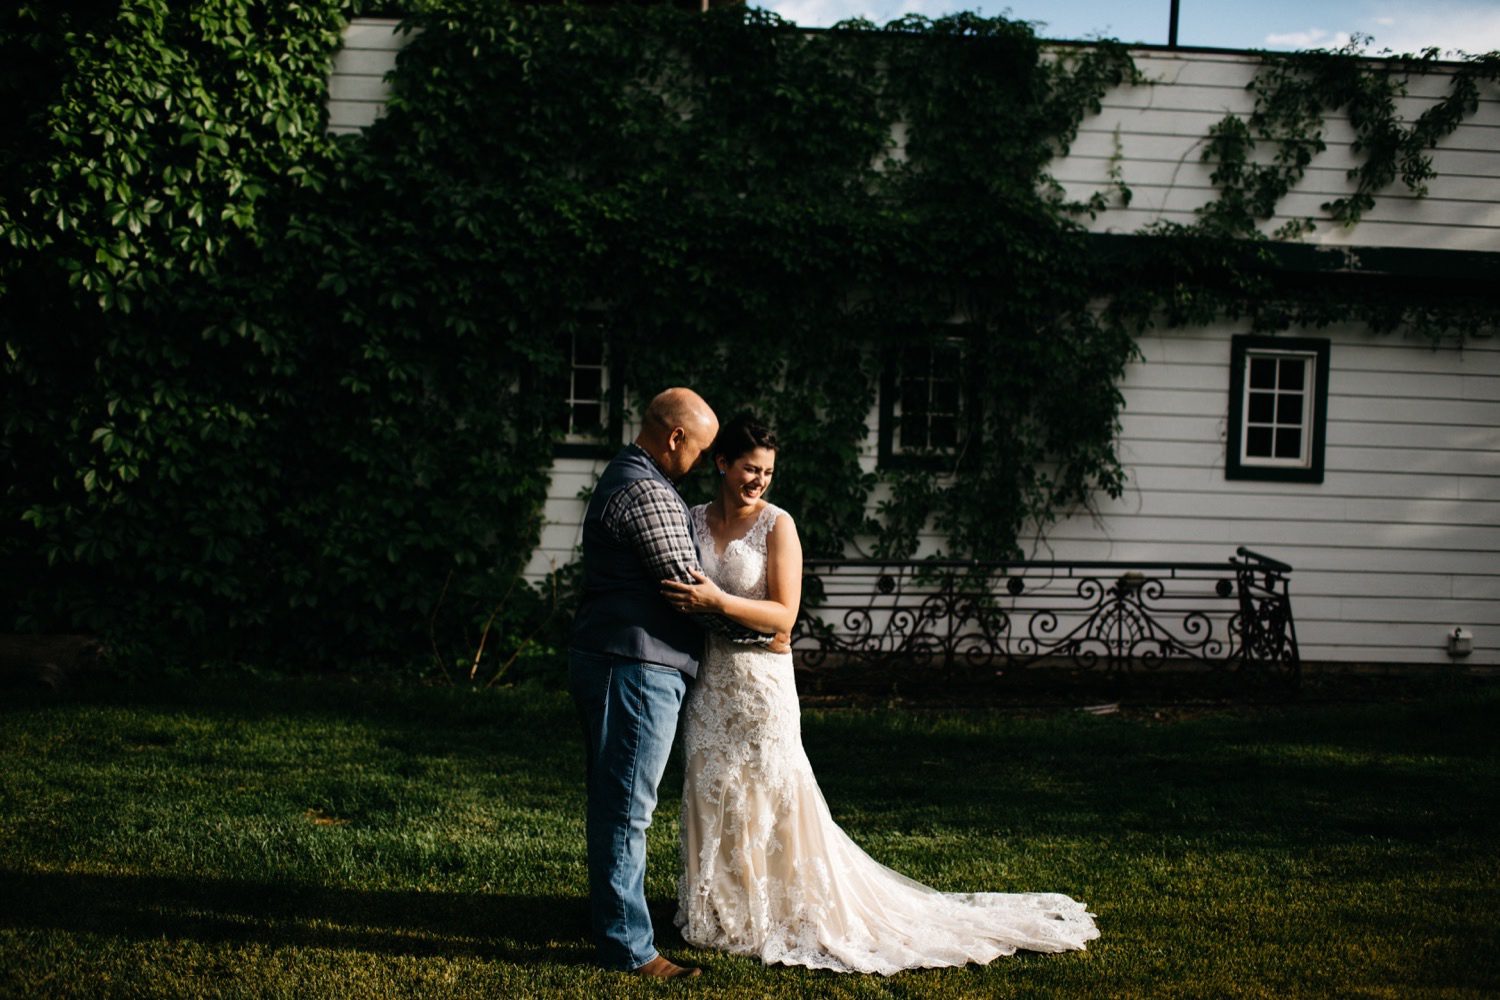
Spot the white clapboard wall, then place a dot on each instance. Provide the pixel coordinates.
(356, 87)
(1157, 131)
(1398, 544)
(1401, 541)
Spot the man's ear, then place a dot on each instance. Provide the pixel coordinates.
(675, 439)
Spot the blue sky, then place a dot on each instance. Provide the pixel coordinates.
(1400, 25)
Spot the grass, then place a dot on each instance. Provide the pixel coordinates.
(262, 838)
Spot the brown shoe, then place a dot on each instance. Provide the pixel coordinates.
(660, 968)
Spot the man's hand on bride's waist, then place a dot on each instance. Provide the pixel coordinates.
(693, 598)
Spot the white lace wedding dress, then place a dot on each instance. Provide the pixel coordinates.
(765, 870)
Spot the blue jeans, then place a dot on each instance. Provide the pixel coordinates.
(629, 714)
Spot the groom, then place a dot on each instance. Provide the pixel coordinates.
(630, 658)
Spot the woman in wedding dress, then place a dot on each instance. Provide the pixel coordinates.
(765, 870)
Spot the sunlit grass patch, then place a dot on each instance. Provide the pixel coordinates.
(313, 838)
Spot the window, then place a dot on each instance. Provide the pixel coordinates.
(925, 403)
(1278, 409)
(588, 416)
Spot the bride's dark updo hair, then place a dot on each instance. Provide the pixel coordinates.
(741, 436)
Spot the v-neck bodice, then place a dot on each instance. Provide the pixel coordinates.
(741, 568)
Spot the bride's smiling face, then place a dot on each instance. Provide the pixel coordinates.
(747, 478)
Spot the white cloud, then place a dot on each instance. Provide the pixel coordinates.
(816, 12)
(1312, 38)
(1412, 27)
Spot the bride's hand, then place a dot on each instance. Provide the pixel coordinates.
(692, 598)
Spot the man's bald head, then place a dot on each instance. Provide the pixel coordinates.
(679, 427)
(680, 407)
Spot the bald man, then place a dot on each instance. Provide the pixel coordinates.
(630, 659)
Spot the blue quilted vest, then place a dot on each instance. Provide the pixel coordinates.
(622, 612)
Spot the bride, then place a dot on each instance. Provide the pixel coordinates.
(765, 870)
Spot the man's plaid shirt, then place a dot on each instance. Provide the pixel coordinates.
(648, 516)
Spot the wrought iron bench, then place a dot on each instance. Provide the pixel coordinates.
(1234, 615)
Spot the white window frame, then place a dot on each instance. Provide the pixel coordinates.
(930, 377)
(1314, 354)
(1308, 391)
(572, 434)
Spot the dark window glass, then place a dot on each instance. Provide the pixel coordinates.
(930, 398)
(1258, 442)
(1292, 370)
(914, 399)
(589, 348)
(1262, 373)
(944, 432)
(1289, 408)
(586, 417)
(944, 396)
(1289, 442)
(587, 382)
(1262, 407)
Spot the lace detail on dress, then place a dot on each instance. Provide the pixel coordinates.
(766, 871)
(741, 569)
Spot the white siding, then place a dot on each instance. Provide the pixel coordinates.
(562, 531)
(1399, 542)
(356, 88)
(1157, 131)
(1402, 539)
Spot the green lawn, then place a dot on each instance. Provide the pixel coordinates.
(322, 839)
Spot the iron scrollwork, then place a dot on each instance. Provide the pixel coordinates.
(1112, 616)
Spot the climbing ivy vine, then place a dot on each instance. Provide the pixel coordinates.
(270, 389)
(1293, 93)
(1259, 158)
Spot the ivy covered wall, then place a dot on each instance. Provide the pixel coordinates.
(277, 397)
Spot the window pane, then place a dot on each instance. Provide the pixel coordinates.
(1262, 373)
(1277, 427)
(586, 417)
(1262, 407)
(588, 348)
(1289, 408)
(930, 397)
(944, 432)
(1289, 442)
(944, 396)
(586, 383)
(913, 399)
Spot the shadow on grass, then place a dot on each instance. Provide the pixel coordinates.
(530, 929)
